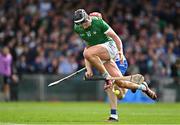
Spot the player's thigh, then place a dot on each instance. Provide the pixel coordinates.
(112, 68)
(97, 50)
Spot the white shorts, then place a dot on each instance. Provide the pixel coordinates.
(112, 49)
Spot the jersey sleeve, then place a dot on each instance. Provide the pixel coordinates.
(104, 26)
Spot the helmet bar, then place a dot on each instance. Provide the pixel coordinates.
(79, 21)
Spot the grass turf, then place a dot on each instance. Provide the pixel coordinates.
(77, 113)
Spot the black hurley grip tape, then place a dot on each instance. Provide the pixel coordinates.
(94, 78)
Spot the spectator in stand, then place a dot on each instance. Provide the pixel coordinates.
(6, 71)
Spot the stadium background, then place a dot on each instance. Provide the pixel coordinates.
(44, 47)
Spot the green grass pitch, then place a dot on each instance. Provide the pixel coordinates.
(87, 113)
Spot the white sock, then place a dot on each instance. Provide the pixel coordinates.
(142, 87)
(115, 116)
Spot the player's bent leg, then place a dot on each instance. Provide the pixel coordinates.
(112, 97)
(114, 71)
(120, 92)
(128, 84)
(94, 55)
(137, 78)
(111, 91)
(113, 105)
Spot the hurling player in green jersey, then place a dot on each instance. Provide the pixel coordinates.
(103, 45)
(111, 92)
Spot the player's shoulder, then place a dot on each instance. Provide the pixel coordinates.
(96, 20)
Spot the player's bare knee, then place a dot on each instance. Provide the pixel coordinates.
(87, 54)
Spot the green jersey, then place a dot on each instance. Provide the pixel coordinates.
(95, 34)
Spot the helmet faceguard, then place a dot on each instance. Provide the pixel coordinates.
(80, 16)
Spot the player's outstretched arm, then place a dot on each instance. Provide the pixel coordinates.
(117, 40)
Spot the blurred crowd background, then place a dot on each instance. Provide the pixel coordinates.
(39, 34)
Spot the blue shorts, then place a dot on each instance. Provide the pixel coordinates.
(122, 67)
